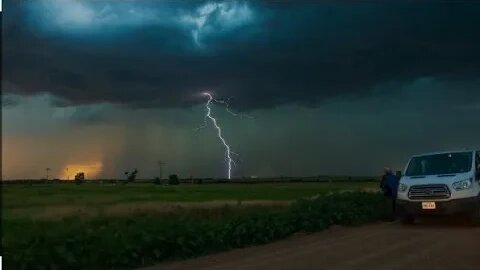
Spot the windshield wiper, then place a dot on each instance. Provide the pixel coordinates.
(416, 177)
(446, 175)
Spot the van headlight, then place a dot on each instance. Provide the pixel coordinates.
(402, 187)
(462, 185)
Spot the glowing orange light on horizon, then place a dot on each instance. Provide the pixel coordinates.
(91, 170)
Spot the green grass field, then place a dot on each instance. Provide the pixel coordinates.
(56, 201)
(108, 226)
(17, 197)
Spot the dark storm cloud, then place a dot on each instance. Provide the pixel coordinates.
(263, 53)
(88, 116)
(10, 101)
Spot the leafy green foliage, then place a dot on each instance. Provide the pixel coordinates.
(141, 240)
(173, 180)
(131, 176)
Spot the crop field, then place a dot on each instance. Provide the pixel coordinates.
(115, 226)
(57, 200)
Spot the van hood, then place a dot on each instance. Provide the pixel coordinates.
(447, 179)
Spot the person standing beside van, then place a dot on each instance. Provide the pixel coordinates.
(389, 186)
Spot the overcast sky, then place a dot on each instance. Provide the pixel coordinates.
(332, 87)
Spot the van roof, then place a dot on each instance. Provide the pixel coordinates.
(445, 152)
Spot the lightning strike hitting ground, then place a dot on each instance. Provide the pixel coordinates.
(228, 151)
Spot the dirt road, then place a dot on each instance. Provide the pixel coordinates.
(429, 245)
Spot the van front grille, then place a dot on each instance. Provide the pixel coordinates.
(421, 192)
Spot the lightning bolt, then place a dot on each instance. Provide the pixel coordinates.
(227, 108)
(208, 116)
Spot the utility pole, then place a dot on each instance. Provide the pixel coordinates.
(47, 169)
(160, 166)
(68, 176)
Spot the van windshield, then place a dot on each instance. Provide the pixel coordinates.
(448, 163)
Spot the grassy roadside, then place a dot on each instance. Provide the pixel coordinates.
(142, 240)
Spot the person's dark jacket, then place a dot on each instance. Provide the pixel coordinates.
(389, 185)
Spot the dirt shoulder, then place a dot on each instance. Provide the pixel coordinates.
(432, 244)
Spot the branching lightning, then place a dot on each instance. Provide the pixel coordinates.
(208, 116)
(227, 108)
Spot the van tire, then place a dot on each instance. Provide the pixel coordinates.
(408, 219)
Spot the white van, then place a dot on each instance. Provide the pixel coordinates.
(440, 184)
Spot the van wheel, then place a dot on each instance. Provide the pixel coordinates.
(408, 219)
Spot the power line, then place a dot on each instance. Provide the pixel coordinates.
(160, 166)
